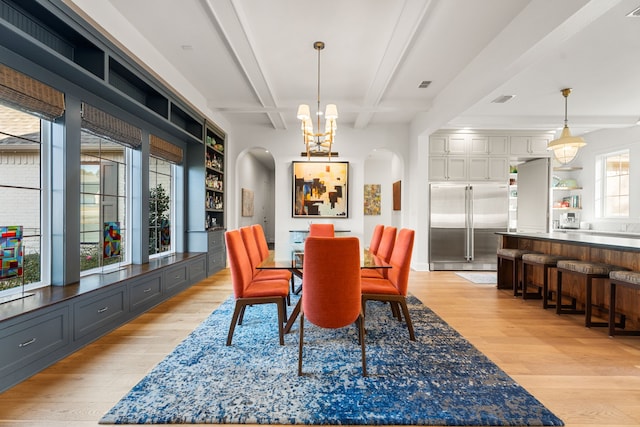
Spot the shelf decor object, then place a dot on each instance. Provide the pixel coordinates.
(566, 147)
(318, 143)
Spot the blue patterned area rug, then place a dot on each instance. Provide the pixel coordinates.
(440, 379)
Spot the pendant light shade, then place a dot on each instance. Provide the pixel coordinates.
(566, 147)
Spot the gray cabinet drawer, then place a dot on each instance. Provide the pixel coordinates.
(145, 293)
(26, 342)
(176, 278)
(197, 269)
(217, 261)
(216, 240)
(101, 311)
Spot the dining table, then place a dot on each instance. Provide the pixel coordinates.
(293, 260)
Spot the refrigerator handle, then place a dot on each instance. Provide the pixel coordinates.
(466, 222)
(470, 230)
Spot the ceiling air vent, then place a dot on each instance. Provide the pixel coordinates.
(424, 84)
(502, 99)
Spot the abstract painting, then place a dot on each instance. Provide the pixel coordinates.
(11, 252)
(165, 233)
(372, 199)
(397, 193)
(320, 189)
(111, 247)
(247, 202)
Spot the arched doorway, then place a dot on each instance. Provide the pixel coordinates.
(255, 182)
(383, 167)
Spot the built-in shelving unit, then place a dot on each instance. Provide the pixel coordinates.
(214, 180)
(567, 195)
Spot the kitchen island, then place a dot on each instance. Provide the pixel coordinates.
(623, 251)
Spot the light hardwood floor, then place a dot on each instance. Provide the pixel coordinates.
(582, 375)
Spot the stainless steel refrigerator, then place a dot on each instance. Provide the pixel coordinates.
(463, 221)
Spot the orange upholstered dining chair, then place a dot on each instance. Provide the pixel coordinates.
(331, 296)
(248, 291)
(393, 289)
(255, 257)
(321, 230)
(387, 242)
(376, 237)
(261, 239)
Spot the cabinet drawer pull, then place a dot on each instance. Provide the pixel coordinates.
(177, 276)
(146, 291)
(103, 309)
(26, 343)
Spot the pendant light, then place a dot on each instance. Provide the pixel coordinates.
(566, 147)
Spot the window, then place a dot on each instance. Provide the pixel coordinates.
(103, 202)
(21, 192)
(160, 203)
(612, 185)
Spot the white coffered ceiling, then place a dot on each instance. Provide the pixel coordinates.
(253, 60)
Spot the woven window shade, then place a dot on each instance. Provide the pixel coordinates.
(24, 93)
(165, 150)
(107, 126)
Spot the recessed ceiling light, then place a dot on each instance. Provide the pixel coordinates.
(502, 99)
(424, 84)
(635, 13)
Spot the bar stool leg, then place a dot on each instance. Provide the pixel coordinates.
(612, 309)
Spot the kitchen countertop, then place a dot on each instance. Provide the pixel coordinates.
(630, 242)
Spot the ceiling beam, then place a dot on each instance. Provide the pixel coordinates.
(228, 22)
(406, 29)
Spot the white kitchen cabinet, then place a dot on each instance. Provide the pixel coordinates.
(488, 168)
(529, 146)
(445, 145)
(447, 168)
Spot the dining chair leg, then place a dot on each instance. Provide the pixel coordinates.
(236, 313)
(300, 343)
(241, 317)
(362, 346)
(407, 318)
(281, 318)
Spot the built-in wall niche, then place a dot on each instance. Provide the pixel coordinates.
(35, 20)
(185, 121)
(131, 85)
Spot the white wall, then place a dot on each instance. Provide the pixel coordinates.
(253, 175)
(603, 142)
(353, 146)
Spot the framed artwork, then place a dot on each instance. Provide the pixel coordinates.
(11, 252)
(112, 237)
(320, 189)
(372, 199)
(397, 194)
(247, 202)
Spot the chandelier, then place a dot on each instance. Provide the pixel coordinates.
(318, 143)
(566, 147)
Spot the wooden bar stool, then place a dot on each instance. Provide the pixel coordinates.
(587, 271)
(545, 261)
(629, 279)
(514, 257)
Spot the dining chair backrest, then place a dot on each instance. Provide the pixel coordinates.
(376, 237)
(239, 263)
(250, 244)
(261, 239)
(321, 230)
(331, 281)
(387, 242)
(400, 260)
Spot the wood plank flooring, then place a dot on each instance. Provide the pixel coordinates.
(582, 375)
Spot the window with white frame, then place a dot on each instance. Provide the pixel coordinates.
(103, 202)
(160, 205)
(20, 196)
(612, 185)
